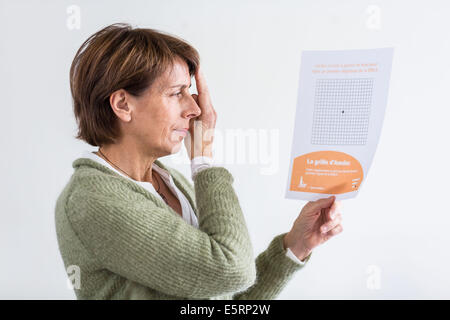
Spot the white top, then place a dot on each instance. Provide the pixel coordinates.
(197, 164)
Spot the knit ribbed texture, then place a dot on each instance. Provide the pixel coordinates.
(130, 245)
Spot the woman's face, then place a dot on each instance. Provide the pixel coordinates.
(160, 116)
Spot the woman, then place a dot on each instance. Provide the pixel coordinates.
(137, 229)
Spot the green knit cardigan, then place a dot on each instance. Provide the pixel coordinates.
(128, 244)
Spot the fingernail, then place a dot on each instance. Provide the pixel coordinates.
(324, 229)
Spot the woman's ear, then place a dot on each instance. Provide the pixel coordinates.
(120, 105)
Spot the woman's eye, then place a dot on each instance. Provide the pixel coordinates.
(177, 94)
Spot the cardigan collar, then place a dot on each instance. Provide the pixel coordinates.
(86, 162)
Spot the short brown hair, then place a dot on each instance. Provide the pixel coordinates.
(119, 57)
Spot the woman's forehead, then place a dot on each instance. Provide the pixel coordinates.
(179, 71)
(176, 76)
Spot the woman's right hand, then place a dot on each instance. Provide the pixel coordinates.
(317, 222)
(201, 129)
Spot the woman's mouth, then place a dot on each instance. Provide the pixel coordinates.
(183, 132)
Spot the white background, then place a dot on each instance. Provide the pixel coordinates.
(395, 239)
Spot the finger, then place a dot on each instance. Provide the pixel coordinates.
(332, 212)
(324, 228)
(339, 205)
(321, 203)
(200, 81)
(336, 230)
(335, 208)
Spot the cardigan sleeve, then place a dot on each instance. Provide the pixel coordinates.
(199, 163)
(274, 269)
(149, 243)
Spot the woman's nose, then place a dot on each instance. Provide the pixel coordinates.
(192, 109)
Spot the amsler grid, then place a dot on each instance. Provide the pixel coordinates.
(342, 111)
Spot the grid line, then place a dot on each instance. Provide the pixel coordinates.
(342, 111)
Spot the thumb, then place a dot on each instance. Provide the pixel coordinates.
(321, 204)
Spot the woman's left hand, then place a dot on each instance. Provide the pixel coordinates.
(201, 129)
(317, 222)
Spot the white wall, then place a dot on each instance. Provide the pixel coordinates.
(250, 51)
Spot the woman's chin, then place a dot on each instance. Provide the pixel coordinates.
(176, 147)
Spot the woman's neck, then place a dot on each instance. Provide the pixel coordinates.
(129, 159)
